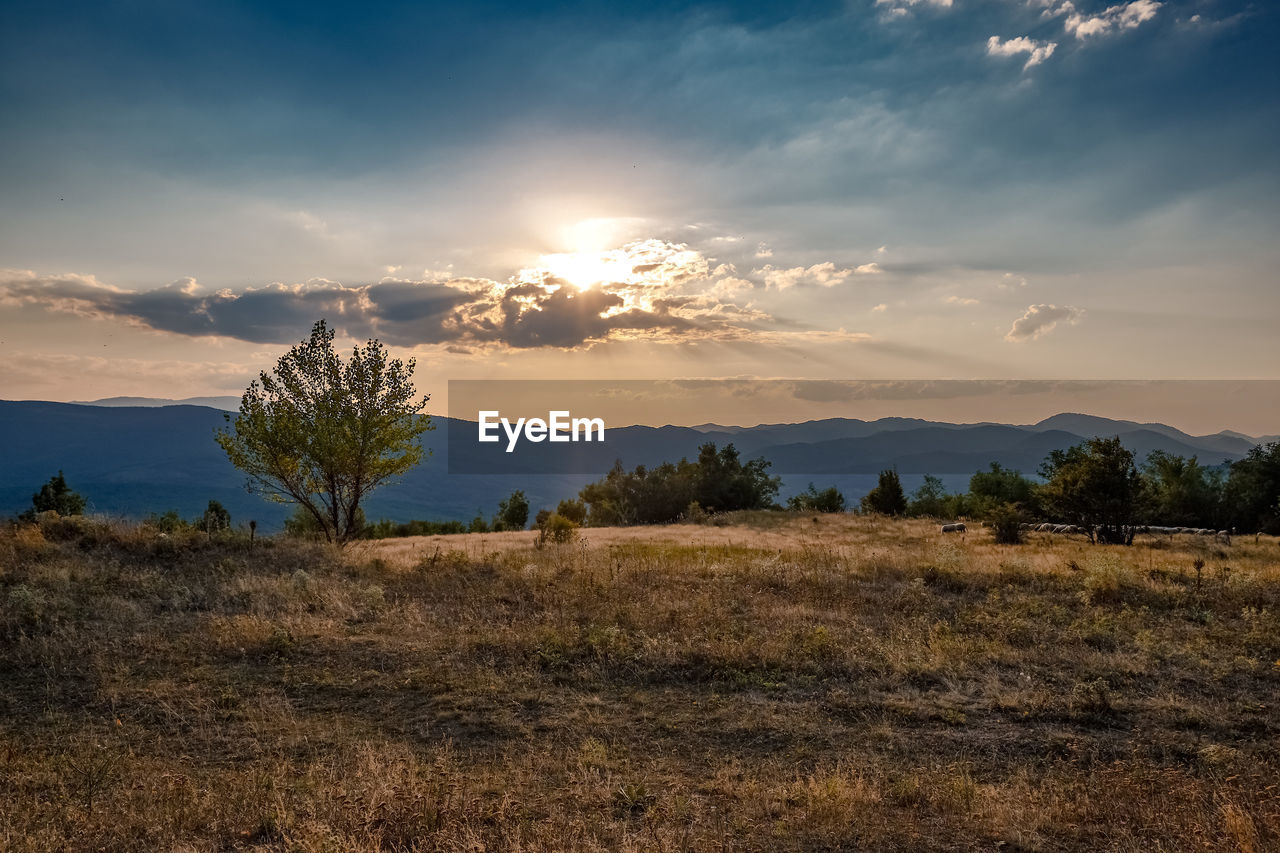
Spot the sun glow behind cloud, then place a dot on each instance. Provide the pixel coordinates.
(584, 269)
(638, 272)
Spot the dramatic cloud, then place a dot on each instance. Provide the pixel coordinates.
(271, 314)
(1124, 16)
(1037, 51)
(648, 288)
(1040, 320)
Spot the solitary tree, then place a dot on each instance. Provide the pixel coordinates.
(323, 433)
(887, 497)
(930, 499)
(513, 512)
(1097, 485)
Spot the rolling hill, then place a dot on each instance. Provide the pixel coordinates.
(136, 460)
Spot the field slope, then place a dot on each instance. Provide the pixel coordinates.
(783, 684)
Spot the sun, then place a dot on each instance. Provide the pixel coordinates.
(585, 269)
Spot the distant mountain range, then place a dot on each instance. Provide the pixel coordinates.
(230, 404)
(154, 456)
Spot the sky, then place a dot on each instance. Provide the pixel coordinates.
(870, 189)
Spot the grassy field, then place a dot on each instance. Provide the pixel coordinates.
(786, 683)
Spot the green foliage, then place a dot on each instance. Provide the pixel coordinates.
(1006, 523)
(931, 499)
(55, 496)
(303, 523)
(216, 518)
(1252, 491)
(1094, 484)
(887, 497)
(997, 486)
(694, 514)
(323, 433)
(478, 525)
(812, 500)
(556, 528)
(1182, 492)
(513, 512)
(168, 522)
(573, 509)
(385, 529)
(718, 481)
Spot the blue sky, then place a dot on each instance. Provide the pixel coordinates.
(902, 188)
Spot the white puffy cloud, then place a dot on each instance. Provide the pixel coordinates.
(1123, 16)
(825, 274)
(1040, 320)
(1037, 51)
(961, 300)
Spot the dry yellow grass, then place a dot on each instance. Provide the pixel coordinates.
(778, 684)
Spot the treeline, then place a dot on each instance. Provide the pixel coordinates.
(717, 481)
(1099, 484)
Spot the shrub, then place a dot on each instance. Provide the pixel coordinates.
(694, 513)
(1006, 522)
(55, 496)
(216, 518)
(558, 529)
(169, 522)
(573, 509)
(812, 500)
